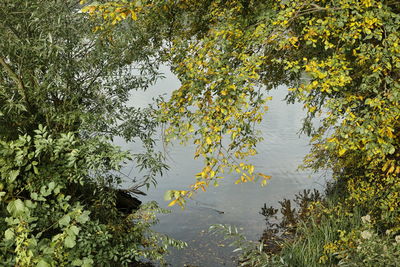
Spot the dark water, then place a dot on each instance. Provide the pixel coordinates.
(279, 156)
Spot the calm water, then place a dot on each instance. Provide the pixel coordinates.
(279, 156)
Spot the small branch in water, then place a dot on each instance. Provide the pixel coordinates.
(134, 189)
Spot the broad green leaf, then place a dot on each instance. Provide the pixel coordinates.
(77, 262)
(43, 263)
(34, 196)
(29, 204)
(51, 186)
(87, 262)
(75, 229)
(16, 207)
(69, 242)
(65, 220)
(9, 234)
(44, 192)
(13, 175)
(84, 217)
(168, 195)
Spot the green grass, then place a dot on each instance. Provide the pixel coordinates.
(308, 245)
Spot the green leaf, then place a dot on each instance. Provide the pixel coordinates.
(51, 186)
(168, 195)
(29, 204)
(16, 207)
(34, 196)
(69, 242)
(65, 220)
(56, 237)
(75, 229)
(77, 262)
(42, 263)
(13, 175)
(35, 170)
(44, 191)
(84, 217)
(9, 234)
(57, 190)
(87, 262)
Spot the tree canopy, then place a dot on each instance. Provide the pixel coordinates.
(63, 93)
(339, 58)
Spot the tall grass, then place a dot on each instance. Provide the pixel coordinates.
(307, 247)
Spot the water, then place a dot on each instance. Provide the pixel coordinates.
(279, 156)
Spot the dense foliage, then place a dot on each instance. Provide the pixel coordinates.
(340, 58)
(63, 90)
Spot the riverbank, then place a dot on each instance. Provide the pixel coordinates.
(323, 231)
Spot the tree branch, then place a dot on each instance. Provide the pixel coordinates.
(14, 77)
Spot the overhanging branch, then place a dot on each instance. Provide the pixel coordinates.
(14, 77)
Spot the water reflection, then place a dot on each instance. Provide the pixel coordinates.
(279, 156)
(281, 222)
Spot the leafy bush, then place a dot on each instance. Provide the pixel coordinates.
(49, 216)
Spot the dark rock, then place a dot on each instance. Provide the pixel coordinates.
(125, 202)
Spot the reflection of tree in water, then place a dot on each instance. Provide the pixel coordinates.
(282, 227)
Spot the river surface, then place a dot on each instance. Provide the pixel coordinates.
(279, 155)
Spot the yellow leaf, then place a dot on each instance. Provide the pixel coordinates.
(172, 203)
(386, 166)
(265, 177)
(397, 169)
(251, 169)
(342, 151)
(391, 169)
(134, 16)
(208, 141)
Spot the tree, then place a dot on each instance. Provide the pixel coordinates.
(339, 58)
(351, 59)
(218, 95)
(63, 90)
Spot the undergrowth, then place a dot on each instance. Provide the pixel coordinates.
(316, 230)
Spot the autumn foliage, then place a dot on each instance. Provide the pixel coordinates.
(340, 58)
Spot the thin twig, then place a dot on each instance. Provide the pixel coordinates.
(14, 77)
